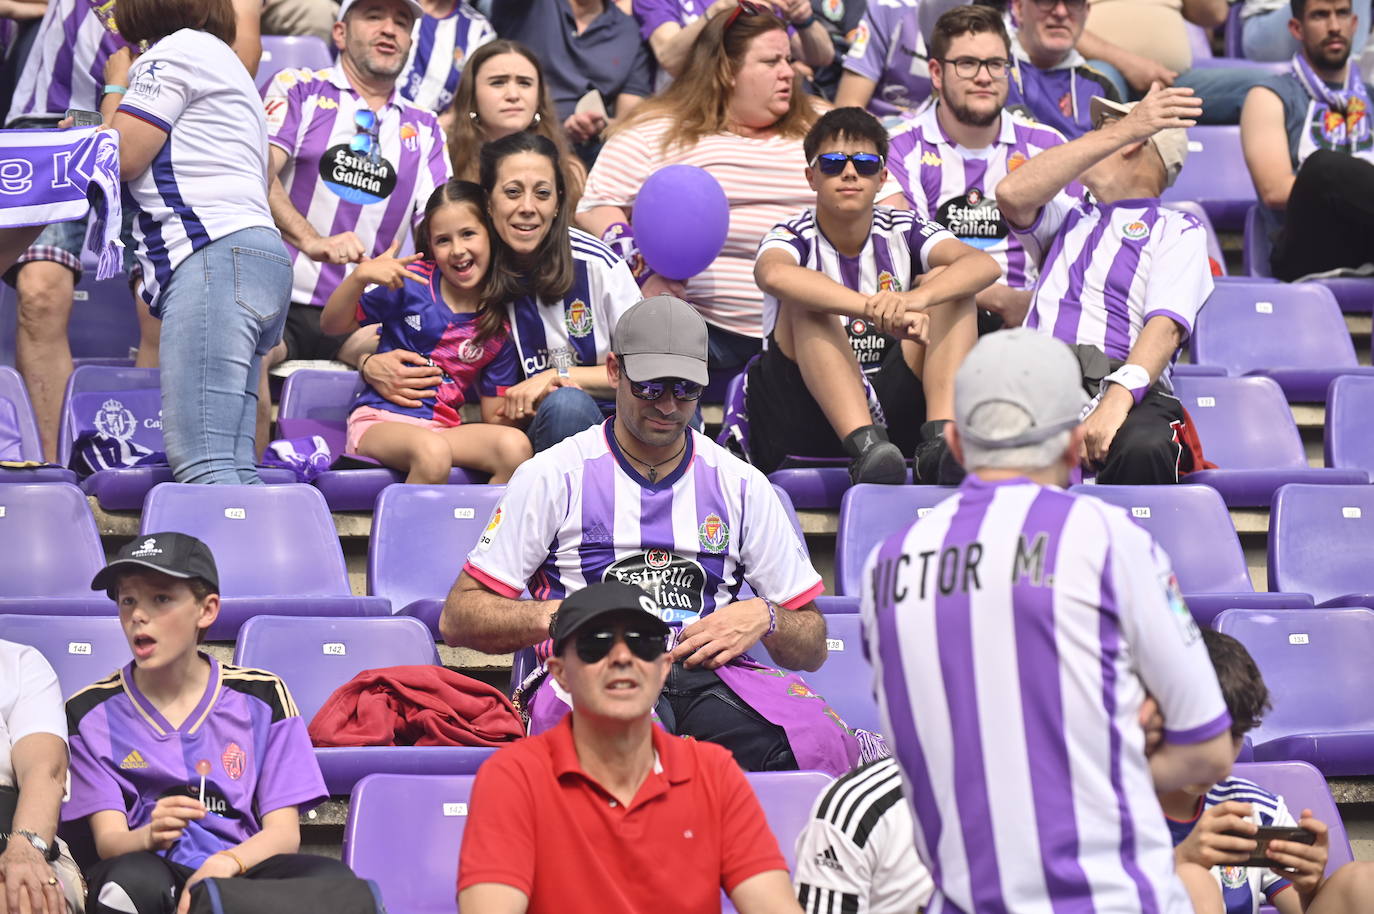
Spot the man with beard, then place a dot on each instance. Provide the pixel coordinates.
(352, 164)
(1309, 145)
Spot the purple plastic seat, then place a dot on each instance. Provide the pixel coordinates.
(276, 548)
(846, 678)
(1195, 210)
(868, 515)
(1192, 525)
(1302, 787)
(1355, 294)
(1188, 370)
(1321, 541)
(1248, 431)
(282, 51)
(787, 798)
(103, 325)
(841, 605)
(80, 649)
(49, 551)
(1291, 332)
(818, 488)
(449, 517)
(16, 414)
(1348, 434)
(1215, 176)
(1316, 665)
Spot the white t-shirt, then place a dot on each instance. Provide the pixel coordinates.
(30, 702)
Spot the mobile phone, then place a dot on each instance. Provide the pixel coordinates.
(83, 118)
(1259, 857)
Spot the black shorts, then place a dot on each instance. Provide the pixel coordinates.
(784, 419)
(303, 337)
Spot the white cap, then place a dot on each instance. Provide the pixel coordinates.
(1024, 368)
(414, 8)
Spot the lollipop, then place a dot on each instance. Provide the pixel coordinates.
(202, 768)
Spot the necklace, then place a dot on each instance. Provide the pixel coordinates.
(651, 467)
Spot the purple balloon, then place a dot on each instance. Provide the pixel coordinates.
(680, 219)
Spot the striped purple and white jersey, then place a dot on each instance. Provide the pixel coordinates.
(956, 186)
(310, 118)
(1014, 632)
(575, 515)
(66, 65)
(209, 179)
(897, 251)
(1106, 269)
(440, 45)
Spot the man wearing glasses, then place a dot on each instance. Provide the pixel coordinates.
(645, 500)
(1050, 80)
(352, 165)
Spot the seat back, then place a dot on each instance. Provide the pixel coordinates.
(18, 426)
(316, 402)
(1348, 433)
(1256, 247)
(1302, 786)
(49, 544)
(1214, 176)
(267, 540)
(1244, 423)
(280, 52)
(315, 656)
(787, 798)
(1315, 663)
(1193, 526)
(845, 680)
(1248, 326)
(868, 515)
(104, 319)
(80, 649)
(122, 403)
(411, 524)
(1321, 540)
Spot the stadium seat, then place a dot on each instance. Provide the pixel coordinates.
(787, 798)
(103, 325)
(841, 605)
(1214, 252)
(49, 551)
(813, 488)
(1347, 433)
(1321, 541)
(275, 546)
(80, 649)
(449, 518)
(22, 442)
(1316, 663)
(1291, 332)
(1199, 39)
(282, 51)
(1215, 177)
(1248, 431)
(1355, 294)
(845, 680)
(1302, 787)
(1194, 528)
(868, 515)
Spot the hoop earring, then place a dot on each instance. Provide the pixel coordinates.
(537, 118)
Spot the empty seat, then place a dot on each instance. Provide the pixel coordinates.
(1192, 525)
(275, 546)
(80, 649)
(280, 52)
(1248, 431)
(1321, 541)
(19, 434)
(868, 515)
(1316, 663)
(1215, 177)
(1348, 434)
(447, 519)
(1291, 332)
(49, 545)
(845, 680)
(1355, 294)
(1302, 787)
(813, 488)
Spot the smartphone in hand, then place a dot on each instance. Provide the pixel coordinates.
(83, 118)
(1259, 857)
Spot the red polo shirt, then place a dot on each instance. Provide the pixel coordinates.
(539, 823)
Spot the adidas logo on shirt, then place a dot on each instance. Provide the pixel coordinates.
(596, 533)
(133, 760)
(413, 322)
(829, 859)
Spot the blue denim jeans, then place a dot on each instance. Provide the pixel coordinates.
(1222, 89)
(563, 413)
(221, 312)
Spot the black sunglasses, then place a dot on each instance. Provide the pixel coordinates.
(652, 390)
(867, 164)
(593, 645)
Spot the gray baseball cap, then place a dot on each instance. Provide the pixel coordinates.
(1171, 144)
(1027, 369)
(661, 337)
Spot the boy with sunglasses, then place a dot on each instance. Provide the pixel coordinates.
(606, 812)
(861, 345)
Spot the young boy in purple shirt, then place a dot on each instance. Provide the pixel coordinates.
(188, 769)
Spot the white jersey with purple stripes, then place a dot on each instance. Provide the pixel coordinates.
(440, 45)
(575, 515)
(209, 179)
(66, 65)
(1014, 633)
(887, 47)
(579, 324)
(310, 117)
(955, 186)
(1106, 269)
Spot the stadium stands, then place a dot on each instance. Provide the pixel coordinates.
(845, 680)
(1355, 294)
(868, 515)
(1348, 435)
(49, 551)
(1321, 541)
(1215, 177)
(81, 649)
(280, 52)
(103, 325)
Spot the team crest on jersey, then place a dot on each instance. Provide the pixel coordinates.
(801, 690)
(1135, 230)
(1066, 105)
(676, 583)
(410, 137)
(115, 420)
(833, 9)
(1232, 877)
(459, 54)
(484, 543)
(888, 283)
(233, 759)
(578, 318)
(714, 534)
(470, 351)
(1016, 160)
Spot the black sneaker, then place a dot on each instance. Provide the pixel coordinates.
(934, 464)
(875, 459)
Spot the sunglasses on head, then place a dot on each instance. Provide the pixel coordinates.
(652, 390)
(366, 141)
(745, 8)
(867, 164)
(594, 644)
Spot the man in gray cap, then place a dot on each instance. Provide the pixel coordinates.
(1018, 633)
(1122, 278)
(645, 500)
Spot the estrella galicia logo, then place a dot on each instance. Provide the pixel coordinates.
(676, 583)
(355, 178)
(974, 218)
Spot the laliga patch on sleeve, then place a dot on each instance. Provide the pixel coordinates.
(1187, 625)
(489, 534)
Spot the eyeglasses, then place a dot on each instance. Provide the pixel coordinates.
(745, 8)
(968, 67)
(867, 164)
(366, 141)
(1048, 6)
(652, 390)
(593, 646)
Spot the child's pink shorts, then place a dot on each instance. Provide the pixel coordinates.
(364, 417)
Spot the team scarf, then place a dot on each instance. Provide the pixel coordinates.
(1342, 114)
(49, 176)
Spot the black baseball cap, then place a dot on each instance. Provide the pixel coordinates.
(603, 599)
(179, 555)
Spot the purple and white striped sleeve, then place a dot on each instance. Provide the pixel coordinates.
(1180, 277)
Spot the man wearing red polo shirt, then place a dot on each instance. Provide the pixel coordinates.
(607, 812)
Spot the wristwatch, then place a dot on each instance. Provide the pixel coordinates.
(1132, 377)
(48, 851)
